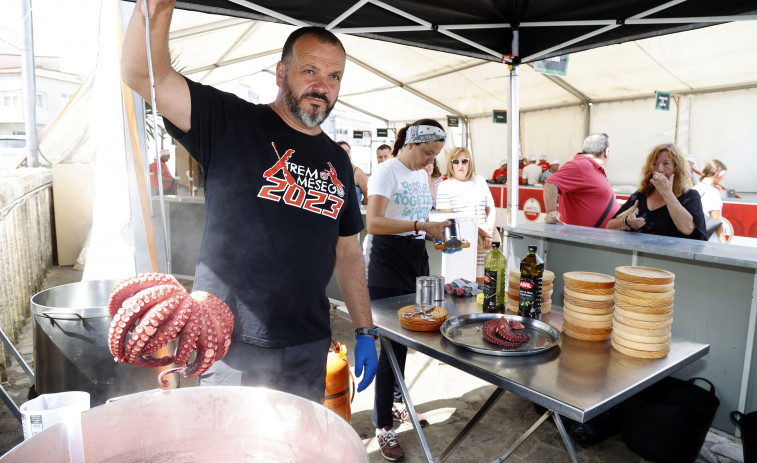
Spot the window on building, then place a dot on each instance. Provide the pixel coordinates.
(9, 99)
(41, 101)
(64, 97)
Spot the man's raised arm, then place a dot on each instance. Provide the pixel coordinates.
(171, 90)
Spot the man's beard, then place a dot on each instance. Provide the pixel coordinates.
(312, 118)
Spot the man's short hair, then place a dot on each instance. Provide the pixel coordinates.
(321, 34)
(596, 144)
(383, 147)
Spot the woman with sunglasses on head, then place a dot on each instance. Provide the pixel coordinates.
(665, 203)
(464, 191)
(712, 203)
(399, 203)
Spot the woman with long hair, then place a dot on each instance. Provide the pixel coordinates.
(434, 180)
(399, 204)
(665, 203)
(464, 191)
(712, 203)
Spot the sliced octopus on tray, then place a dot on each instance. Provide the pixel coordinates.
(499, 331)
(150, 310)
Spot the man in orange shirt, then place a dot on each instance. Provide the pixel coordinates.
(169, 183)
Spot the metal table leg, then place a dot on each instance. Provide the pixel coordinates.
(406, 396)
(472, 422)
(542, 419)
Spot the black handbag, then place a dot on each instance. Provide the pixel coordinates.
(711, 225)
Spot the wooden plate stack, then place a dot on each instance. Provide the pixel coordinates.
(588, 305)
(417, 323)
(643, 311)
(513, 290)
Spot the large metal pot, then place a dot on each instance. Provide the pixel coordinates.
(202, 424)
(71, 352)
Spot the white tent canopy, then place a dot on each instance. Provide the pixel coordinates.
(608, 89)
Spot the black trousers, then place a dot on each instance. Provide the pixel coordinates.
(395, 263)
(387, 390)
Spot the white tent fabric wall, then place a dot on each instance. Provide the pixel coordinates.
(110, 251)
(724, 127)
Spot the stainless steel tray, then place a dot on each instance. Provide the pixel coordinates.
(466, 331)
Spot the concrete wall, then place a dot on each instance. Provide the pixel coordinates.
(26, 237)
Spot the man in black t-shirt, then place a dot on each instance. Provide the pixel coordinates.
(281, 213)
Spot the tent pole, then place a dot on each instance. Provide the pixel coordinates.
(513, 130)
(29, 86)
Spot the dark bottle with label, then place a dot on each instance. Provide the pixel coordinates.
(531, 271)
(495, 270)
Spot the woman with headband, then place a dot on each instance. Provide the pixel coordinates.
(398, 208)
(712, 203)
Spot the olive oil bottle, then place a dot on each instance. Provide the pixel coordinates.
(495, 271)
(531, 271)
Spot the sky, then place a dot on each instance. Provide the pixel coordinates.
(64, 28)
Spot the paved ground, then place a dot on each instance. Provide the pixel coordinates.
(446, 396)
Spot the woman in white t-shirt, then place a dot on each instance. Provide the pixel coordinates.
(712, 203)
(399, 203)
(464, 191)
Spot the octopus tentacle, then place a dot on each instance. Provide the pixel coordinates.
(169, 330)
(148, 326)
(505, 331)
(222, 318)
(151, 362)
(493, 329)
(132, 309)
(189, 336)
(132, 286)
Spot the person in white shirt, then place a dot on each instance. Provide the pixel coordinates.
(532, 171)
(712, 204)
(399, 204)
(464, 191)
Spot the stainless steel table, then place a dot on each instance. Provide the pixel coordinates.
(576, 379)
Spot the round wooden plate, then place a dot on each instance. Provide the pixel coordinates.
(588, 303)
(588, 280)
(637, 301)
(589, 297)
(648, 275)
(587, 316)
(587, 324)
(591, 291)
(647, 295)
(640, 338)
(633, 330)
(662, 346)
(546, 276)
(638, 353)
(643, 286)
(650, 325)
(587, 310)
(417, 323)
(642, 309)
(647, 317)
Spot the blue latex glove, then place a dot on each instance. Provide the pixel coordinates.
(448, 251)
(366, 360)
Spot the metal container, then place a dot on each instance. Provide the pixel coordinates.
(201, 424)
(424, 291)
(438, 288)
(452, 235)
(71, 352)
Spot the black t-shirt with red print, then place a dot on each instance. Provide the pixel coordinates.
(276, 201)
